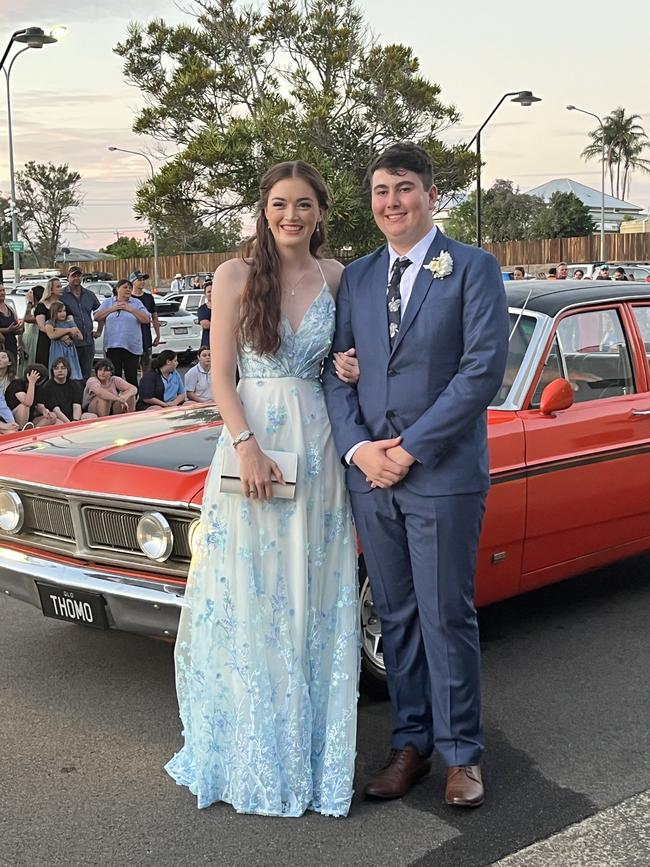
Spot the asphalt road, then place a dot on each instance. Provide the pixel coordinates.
(88, 719)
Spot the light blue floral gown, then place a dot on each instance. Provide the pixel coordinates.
(267, 655)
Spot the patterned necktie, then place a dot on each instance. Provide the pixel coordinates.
(394, 298)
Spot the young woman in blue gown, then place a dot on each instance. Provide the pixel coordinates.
(267, 655)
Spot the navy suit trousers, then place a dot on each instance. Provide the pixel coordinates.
(420, 553)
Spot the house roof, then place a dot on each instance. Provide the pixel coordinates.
(587, 195)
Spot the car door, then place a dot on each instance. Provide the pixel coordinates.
(588, 465)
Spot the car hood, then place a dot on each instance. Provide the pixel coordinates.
(158, 455)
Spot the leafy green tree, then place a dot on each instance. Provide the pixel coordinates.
(243, 87)
(506, 215)
(565, 216)
(625, 143)
(127, 248)
(47, 195)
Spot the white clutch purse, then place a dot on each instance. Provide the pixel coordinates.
(230, 480)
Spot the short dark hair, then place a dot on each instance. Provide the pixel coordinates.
(122, 282)
(203, 349)
(61, 360)
(103, 364)
(520, 268)
(404, 156)
(162, 358)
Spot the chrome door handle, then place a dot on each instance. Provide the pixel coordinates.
(641, 412)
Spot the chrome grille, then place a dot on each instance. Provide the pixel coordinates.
(180, 529)
(47, 516)
(113, 528)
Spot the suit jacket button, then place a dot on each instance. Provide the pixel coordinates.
(392, 371)
(390, 413)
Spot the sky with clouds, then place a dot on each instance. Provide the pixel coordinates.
(70, 101)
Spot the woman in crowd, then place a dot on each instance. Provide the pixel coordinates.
(7, 369)
(53, 293)
(204, 313)
(24, 398)
(29, 338)
(162, 385)
(107, 394)
(11, 328)
(267, 654)
(62, 393)
(63, 332)
(123, 317)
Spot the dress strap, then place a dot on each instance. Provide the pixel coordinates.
(325, 283)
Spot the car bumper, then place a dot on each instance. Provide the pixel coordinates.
(144, 607)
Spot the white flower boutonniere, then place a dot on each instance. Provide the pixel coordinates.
(441, 266)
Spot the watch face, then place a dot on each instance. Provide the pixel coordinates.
(245, 436)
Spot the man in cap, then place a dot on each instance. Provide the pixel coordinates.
(177, 283)
(82, 303)
(137, 279)
(603, 273)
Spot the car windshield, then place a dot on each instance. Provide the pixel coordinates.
(521, 332)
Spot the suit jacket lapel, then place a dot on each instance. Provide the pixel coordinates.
(377, 306)
(420, 288)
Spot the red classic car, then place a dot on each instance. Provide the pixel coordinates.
(96, 518)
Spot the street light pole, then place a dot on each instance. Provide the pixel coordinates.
(602, 177)
(35, 37)
(12, 174)
(154, 227)
(523, 97)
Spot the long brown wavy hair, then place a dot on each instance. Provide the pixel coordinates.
(260, 311)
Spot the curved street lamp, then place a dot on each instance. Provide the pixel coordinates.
(33, 37)
(524, 98)
(602, 178)
(154, 228)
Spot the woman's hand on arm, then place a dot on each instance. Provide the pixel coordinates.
(346, 365)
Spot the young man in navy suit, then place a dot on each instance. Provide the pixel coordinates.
(428, 318)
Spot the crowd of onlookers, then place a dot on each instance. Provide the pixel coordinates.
(48, 371)
(561, 272)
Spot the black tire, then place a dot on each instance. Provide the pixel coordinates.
(373, 672)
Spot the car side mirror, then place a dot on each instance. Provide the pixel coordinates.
(556, 396)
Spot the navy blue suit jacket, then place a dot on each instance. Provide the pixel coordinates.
(433, 388)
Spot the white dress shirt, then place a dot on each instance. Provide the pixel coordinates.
(416, 254)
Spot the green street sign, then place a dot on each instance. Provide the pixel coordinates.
(16, 246)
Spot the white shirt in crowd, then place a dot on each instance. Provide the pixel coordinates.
(199, 383)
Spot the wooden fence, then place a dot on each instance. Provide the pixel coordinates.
(618, 248)
(168, 266)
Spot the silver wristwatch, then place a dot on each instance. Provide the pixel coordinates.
(243, 436)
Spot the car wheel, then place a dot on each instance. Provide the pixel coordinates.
(373, 672)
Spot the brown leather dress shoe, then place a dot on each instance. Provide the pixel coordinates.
(403, 769)
(464, 786)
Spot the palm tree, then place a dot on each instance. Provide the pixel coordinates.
(625, 142)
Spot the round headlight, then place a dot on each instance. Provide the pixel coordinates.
(12, 513)
(192, 536)
(154, 536)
